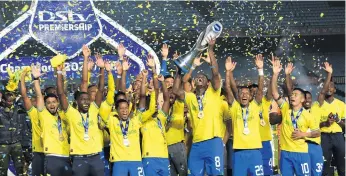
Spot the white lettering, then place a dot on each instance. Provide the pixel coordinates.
(61, 15)
(44, 68)
(65, 27)
(41, 15)
(74, 66)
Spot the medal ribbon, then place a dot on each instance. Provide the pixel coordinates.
(245, 117)
(85, 123)
(59, 125)
(124, 129)
(295, 120)
(159, 124)
(200, 102)
(261, 115)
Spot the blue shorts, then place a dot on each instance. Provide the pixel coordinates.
(267, 157)
(229, 153)
(156, 166)
(247, 162)
(106, 163)
(133, 168)
(207, 153)
(294, 163)
(316, 159)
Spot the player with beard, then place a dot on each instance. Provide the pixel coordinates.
(85, 133)
(244, 114)
(54, 130)
(206, 152)
(124, 129)
(37, 147)
(296, 121)
(332, 123)
(175, 131)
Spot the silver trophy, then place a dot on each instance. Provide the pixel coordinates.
(184, 62)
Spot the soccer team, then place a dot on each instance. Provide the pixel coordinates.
(143, 130)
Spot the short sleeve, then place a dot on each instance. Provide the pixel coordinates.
(312, 123)
(105, 110)
(188, 98)
(32, 113)
(232, 109)
(342, 111)
(284, 107)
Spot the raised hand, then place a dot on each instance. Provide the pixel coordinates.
(164, 51)
(90, 65)
(99, 61)
(36, 70)
(229, 65)
(144, 74)
(126, 65)
(328, 67)
(121, 51)
(119, 68)
(108, 66)
(197, 62)
(161, 78)
(175, 55)
(150, 61)
(207, 59)
(273, 59)
(277, 67)
(259, 61)
(211, 41)
(289, 68)
(86, 51)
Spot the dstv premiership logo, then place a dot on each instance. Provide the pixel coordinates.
(65, 26)
(66, 21)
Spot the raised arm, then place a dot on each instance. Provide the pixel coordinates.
(126, 66)
(177, 86)
(60, 85)
(216, 77)
(230, 66)
(142, 96)
(26, 99)
(36, 73)
(119, 68)
(111, 86)
(288, 80)
(259, 64)
(329, 69)
(164, 53)
(166, 105)
(84, 83)
(151, 64)
(277, 67)
(99, 95)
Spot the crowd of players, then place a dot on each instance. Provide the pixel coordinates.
(173, 125)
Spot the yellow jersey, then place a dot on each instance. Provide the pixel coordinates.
(54, 142)
(78, 143)
(335, 107)
(315, 111)
(265, 130)
(119, 151)
(241, 140)
(207, 127)
(175, 132)
(304, 122)
(37, 145)
(224, 116)
(154, 143)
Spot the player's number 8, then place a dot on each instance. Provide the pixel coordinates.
(140, 171)
(217, 161)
